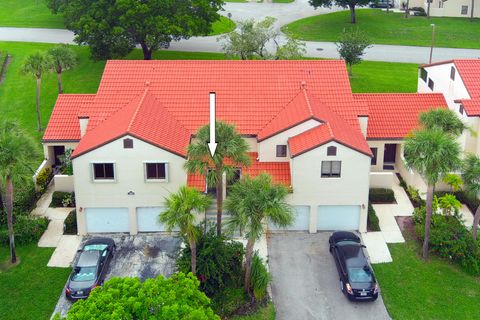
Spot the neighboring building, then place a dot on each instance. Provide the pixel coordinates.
(302, 122)
(450, 8)
(459, 81)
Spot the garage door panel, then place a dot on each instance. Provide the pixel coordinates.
(107, 220)
(147, 218)
(301, 220)
(338, 217)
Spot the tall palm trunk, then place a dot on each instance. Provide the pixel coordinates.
(59, 81)
(9, 205)
(193, 251)
(428, 219)
(219, 200)
(39, 126)
(476, 220)
(248, 263)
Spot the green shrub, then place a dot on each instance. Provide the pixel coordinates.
(450, 239)
(58, 197)
(24, 200)
(225, 302)
(44, 177)
(259, 277)
(27, 230)
(372, 221)
(378, 195)
(414, 195)
(71, 223)
(219, 262)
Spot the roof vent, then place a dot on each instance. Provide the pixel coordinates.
(303, 85)
(147, 83)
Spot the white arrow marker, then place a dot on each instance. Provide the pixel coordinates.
(212, 145)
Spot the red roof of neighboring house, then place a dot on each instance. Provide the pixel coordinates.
(280, 172)
(144, 118)
(63, 124)
(393, 116)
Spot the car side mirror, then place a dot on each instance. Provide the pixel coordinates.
(364, 246)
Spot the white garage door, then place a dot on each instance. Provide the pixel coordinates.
(107, 219)
(147, 218)
(301, 222)
(338, 217)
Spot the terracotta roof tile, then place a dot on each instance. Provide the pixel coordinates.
(393, 116)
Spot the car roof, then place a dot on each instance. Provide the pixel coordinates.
(353, 255)
(88, 258)
(344, 235)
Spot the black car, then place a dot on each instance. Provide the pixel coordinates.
(357, 280)
(90, 267)
(381, 4)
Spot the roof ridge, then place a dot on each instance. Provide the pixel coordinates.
(330, 129)
(307, 99)
(140, 103)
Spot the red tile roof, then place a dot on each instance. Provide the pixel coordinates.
(144, 118)
(280, 172)
(63, 124)
(393, 116)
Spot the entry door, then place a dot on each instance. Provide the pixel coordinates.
(390, 153)
(58, 151)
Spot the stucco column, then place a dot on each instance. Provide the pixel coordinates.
(81, 221)
(313, 219)
(132, 220)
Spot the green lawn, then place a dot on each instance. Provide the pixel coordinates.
(221, 26)
(31, 289)
(413, 289)
(282, 1)
(391, 28)
(265, 313)
(28, 14)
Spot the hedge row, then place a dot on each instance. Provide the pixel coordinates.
(372, 221)
(378, 195)
(27, 230)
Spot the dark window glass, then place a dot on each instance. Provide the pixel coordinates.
(460, 109)
(423, 75)
(332, 151)
(430, 84)
(127, 143)
(464, 9)
(452, 73)
(281, 150)
(103, 171)
(331, 169)
(374, 158)
(156, 171)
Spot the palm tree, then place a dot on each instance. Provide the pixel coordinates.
(230, 145)
(63, 58)
(252, 202)
(471, 183)
(433, 154)
(444, 119)
(16, 149)
(180, 213)
(37, 64)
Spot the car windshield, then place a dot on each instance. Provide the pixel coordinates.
(98, 246)
(84, 274)
(346, 243)
(359, 274)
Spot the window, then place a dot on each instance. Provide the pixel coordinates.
(430, 84)
(464, 9)
(127, 143)
(452, 73)
(460, 109)
(374, 158)
(423, 74)
(103, 171)
(281, 150)
(156, 171)
(331, 151)
(331, 169)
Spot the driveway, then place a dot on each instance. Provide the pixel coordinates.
(144, 256)
(305, 281)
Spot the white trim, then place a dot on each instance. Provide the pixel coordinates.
(155, 180)
(92, 172)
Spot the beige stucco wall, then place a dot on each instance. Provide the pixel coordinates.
(382, 180)
(48, 152)
(129, 173)
(380, 145)
(351, 188)
(63, 183)
(451, 8)
(267, 148)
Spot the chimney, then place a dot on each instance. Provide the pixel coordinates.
(83, 124)
(363, 122)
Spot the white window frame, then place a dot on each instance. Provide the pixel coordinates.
(92, 170)
(155, 180)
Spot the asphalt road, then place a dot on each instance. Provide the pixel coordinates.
(305, 281)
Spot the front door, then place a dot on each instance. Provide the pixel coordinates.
(389, 156)
(57, 152)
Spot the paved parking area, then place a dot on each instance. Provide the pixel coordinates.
(305, 281)
(144, 256)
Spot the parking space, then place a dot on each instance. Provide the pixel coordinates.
(144, 256)
(306, 283)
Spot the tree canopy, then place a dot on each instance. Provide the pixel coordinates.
(174, 298)
(444, 119)
(112, 28)
(351, 4)
(351, 47)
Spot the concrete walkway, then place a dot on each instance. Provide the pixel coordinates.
(66, 245)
